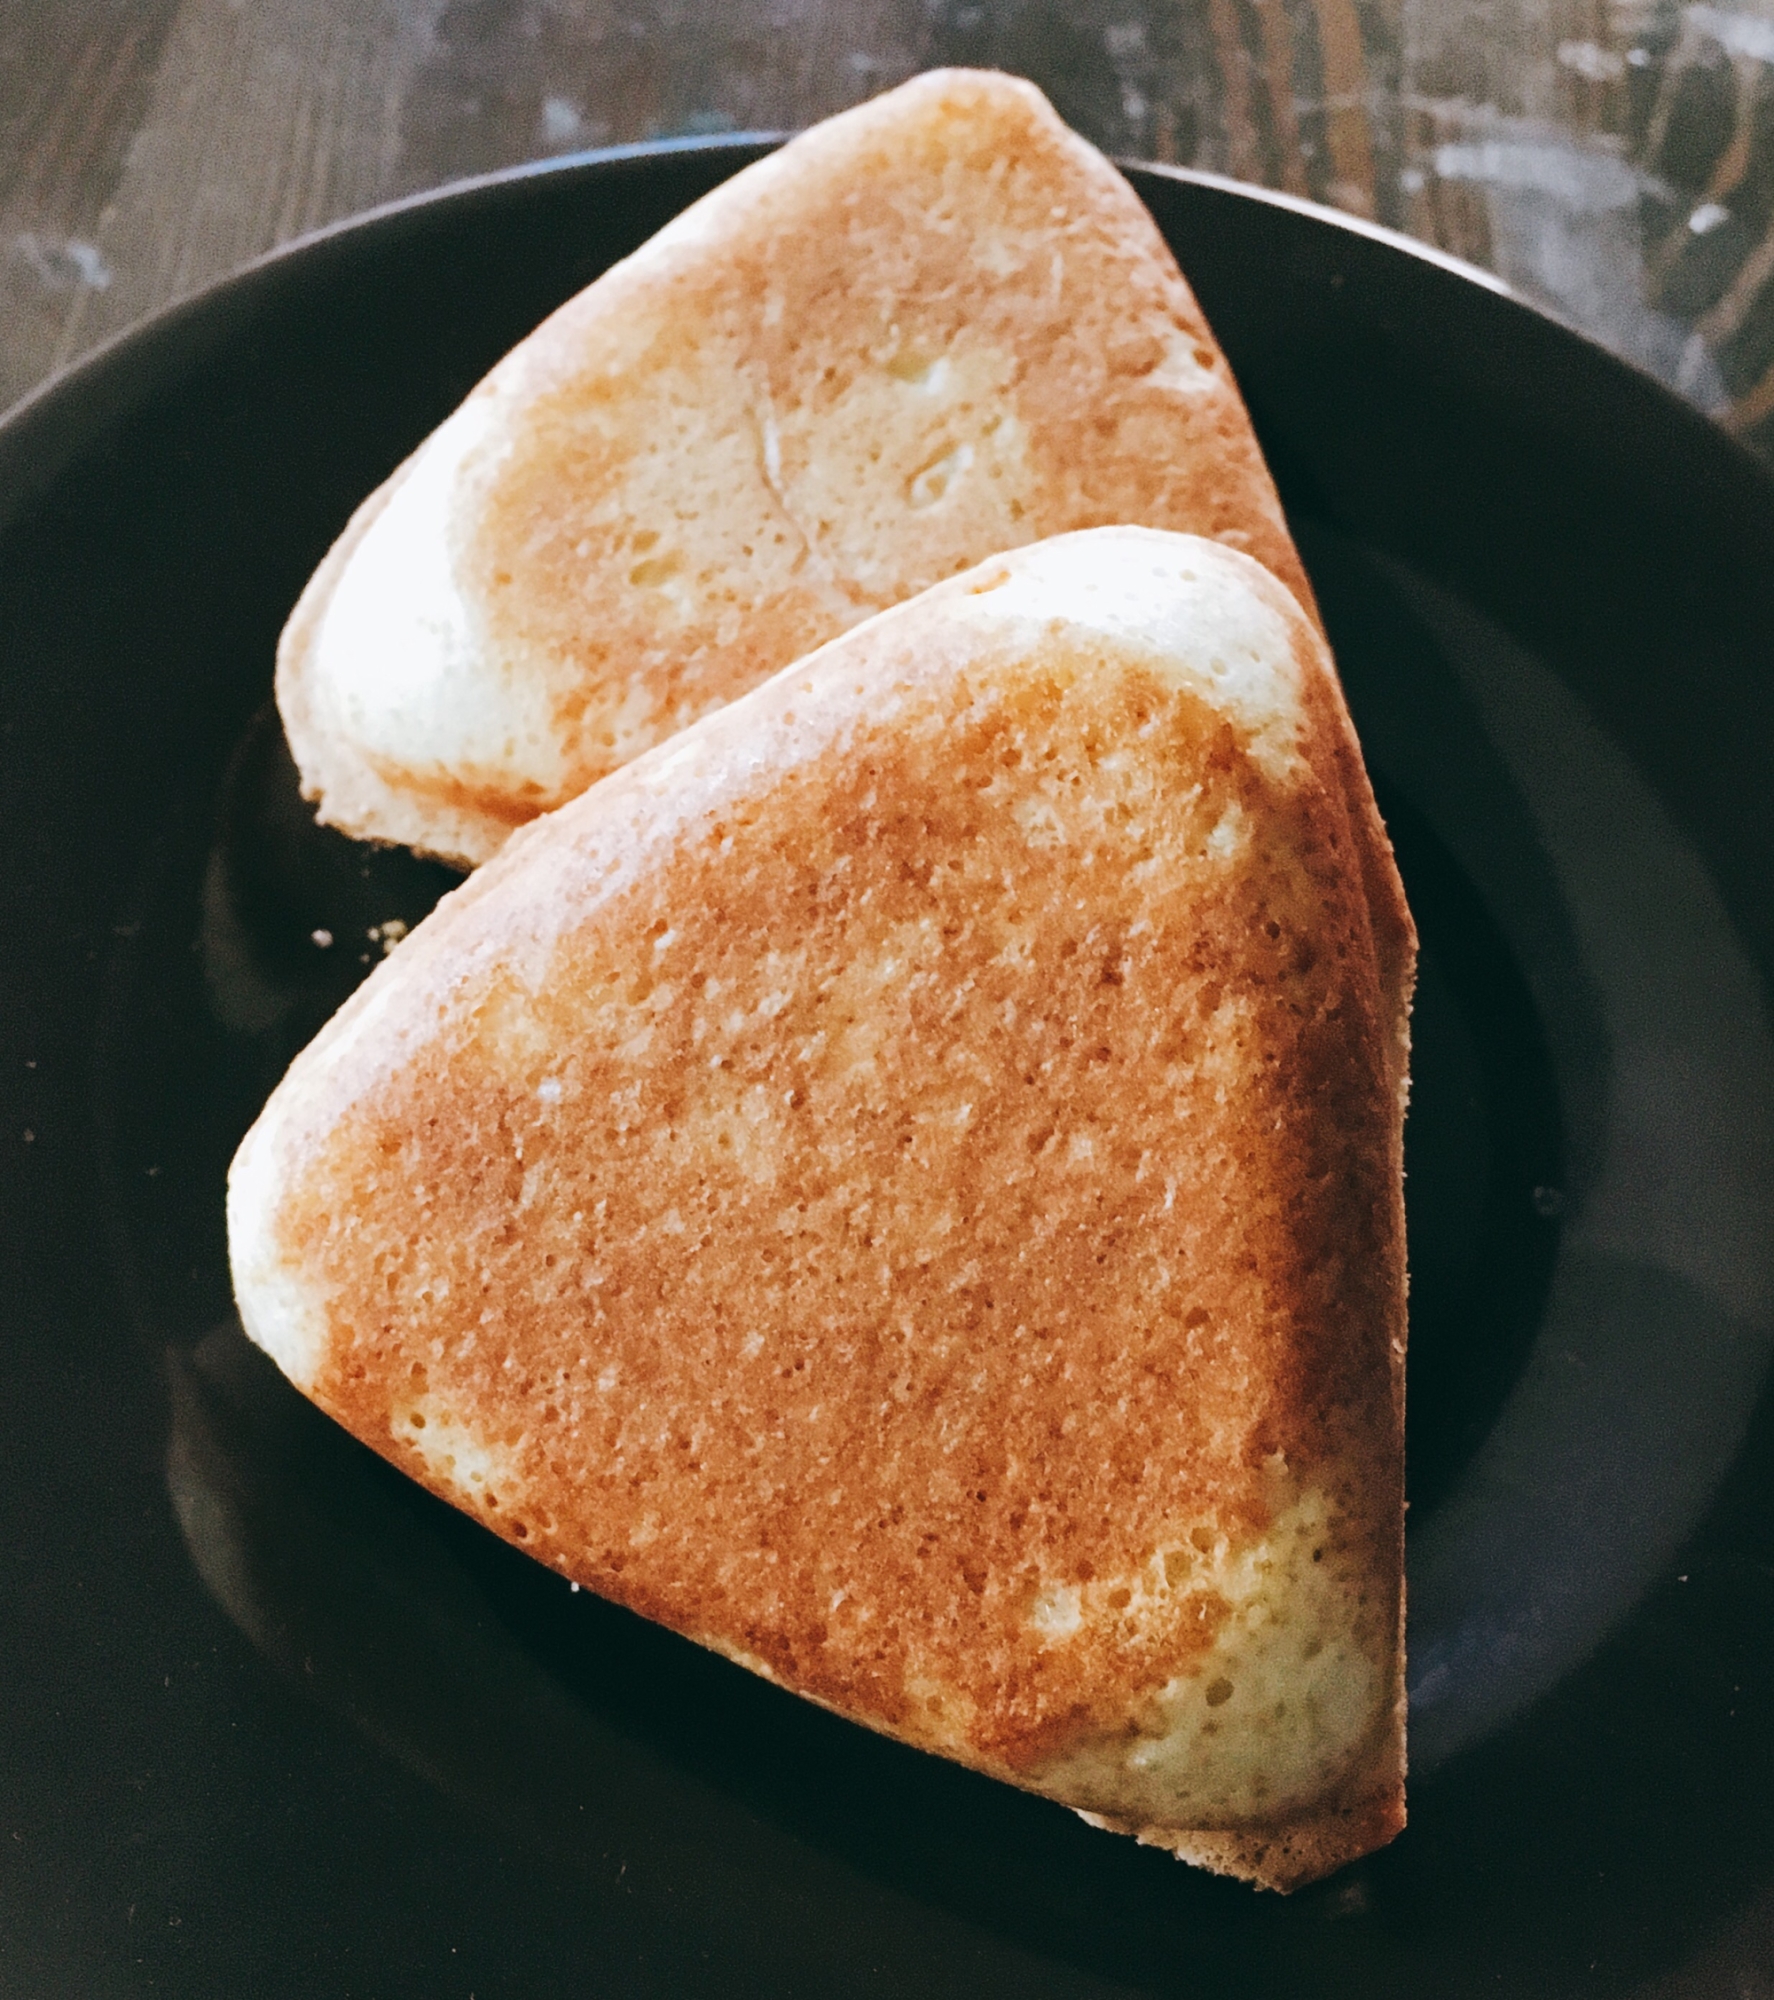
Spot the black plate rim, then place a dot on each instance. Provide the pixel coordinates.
(61, 395)
(59, 419)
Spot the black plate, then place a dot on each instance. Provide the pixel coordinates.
(274, 1722)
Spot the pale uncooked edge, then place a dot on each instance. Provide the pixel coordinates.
(351, 793)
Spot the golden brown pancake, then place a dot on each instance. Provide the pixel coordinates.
(935, 327)
(902, 1184)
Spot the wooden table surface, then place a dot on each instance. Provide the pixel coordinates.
(1611, 158)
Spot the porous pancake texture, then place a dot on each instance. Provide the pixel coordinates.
(902, 1184)
(932, 328)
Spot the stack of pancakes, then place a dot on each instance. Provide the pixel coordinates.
(895, 1169)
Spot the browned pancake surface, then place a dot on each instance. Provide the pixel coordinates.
(911, 1151)
(933, 328)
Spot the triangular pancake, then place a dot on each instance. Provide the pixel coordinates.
(903, 1185)
(935, 327)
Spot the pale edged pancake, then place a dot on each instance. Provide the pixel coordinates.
(934, 327)
(902, 1184)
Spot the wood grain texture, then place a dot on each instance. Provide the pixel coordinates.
(75, 79)
(1612, 158)
(263, 122)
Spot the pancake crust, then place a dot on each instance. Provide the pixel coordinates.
(902, 1184)
(932, 328)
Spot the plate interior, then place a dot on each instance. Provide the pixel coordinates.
(288, 1725)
